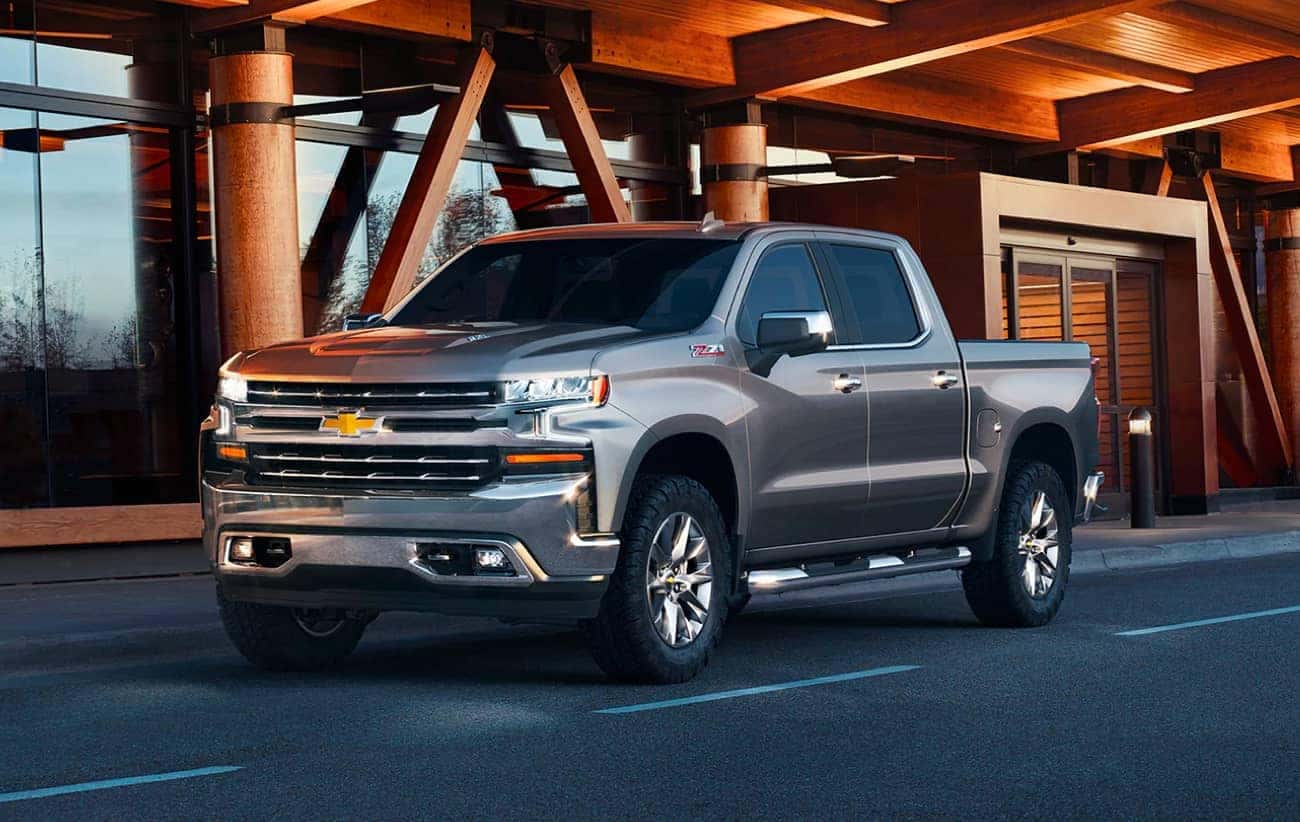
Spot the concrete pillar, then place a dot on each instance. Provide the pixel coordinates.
(1282, 260)
(731, 159)
(256, 192)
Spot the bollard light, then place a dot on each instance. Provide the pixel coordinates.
(1142, 458)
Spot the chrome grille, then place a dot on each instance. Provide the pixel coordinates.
(363, 395)
(377, 468)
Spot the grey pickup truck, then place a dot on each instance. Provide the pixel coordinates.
(633, 428)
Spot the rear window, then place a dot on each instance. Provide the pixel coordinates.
(878, 295)
(655, 284)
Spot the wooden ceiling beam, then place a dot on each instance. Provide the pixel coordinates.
(792, 60)
(407, 18)
(1242, 156)
(649, 49)
(1128, 115)
(857, 12)
(280, 11)
(1106, 64)
(936, 101)
(1226, 26)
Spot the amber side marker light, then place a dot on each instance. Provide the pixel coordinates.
(535, 459)
(234, 453)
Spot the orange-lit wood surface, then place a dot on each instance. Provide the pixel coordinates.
(605, 201)
(1283, 264)
(40, 527)
(255, 192)
(1275, 459)
(743, 144)
(427, 189)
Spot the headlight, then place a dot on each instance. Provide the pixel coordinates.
(591, 390)
(233, 387)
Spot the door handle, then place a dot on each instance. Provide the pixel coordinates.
(846, 384)
(942, 379)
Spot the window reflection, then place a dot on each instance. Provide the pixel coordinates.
(331, 232)
(24, 481)
(105, 194)
(17, 49)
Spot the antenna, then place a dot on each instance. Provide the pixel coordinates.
(710, 223)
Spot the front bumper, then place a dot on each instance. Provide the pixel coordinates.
(365, 552)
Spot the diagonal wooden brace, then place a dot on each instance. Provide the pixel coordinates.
(425, 194)
(582, 142)
(1277, 457)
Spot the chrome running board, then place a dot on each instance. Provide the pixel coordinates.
(881, 566)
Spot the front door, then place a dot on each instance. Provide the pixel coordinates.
(807, 425)
(916, 424)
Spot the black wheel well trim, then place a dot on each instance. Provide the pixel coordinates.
(981, 547)
(662, 439)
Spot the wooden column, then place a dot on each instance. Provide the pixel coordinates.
(1282, 247)
(256, 191)
(650, 201)
(732, 158)
(426, 192)
(577, 129)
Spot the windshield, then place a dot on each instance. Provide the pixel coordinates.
(655, 284)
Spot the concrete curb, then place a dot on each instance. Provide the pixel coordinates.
(1132, 557)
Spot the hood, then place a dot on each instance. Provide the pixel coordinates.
(448, 352)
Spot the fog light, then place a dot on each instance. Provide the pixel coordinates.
(491, 559)
(241, 549)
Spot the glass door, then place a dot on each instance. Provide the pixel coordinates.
(1109, 304)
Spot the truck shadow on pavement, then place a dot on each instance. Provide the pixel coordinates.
(529, 655)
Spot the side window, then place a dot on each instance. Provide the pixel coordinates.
(877, 294)
(784, 280)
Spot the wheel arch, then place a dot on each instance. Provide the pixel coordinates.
(1040, 437)
(694, 447)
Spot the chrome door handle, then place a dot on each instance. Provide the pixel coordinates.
(942, 379)
(846, 384)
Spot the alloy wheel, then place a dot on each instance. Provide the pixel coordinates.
(1039, 545)
(679, 580)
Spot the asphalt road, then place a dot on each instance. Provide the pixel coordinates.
(906, 708)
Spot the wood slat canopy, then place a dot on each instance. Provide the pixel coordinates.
(795, 59)
(285, 11)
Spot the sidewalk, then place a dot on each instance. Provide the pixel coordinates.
(1243, 531)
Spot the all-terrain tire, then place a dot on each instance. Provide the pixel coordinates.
(272, 638)
(996, 589)
(623, 637)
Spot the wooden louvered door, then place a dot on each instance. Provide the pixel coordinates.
(1110, 307)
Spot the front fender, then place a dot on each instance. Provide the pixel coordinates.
(729, 439)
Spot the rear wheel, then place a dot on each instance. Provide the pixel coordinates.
(290, 639)
(1023, 583)
(666, 602)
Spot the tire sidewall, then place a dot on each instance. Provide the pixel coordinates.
(1026, 480)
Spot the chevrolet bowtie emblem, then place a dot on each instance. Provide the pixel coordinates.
(348, 424)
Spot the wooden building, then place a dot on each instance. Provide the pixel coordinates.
(180, 180)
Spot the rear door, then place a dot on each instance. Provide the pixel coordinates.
(807, 425)
(917, 402)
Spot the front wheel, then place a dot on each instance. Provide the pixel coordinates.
(290, 639)
(667, 598)
(1023, 583)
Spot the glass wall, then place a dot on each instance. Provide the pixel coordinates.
(90, 383)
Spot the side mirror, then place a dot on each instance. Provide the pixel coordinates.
(353, 322)
(795, 333)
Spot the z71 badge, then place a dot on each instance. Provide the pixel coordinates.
(708, 350)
